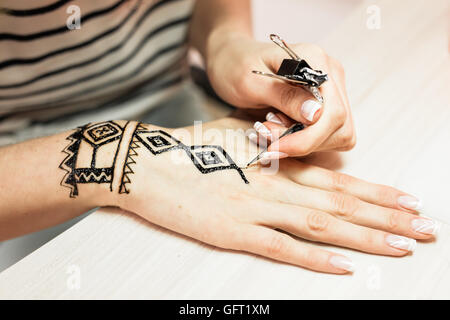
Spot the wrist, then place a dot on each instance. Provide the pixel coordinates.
(97, 195)
(222, 38)
(98, 159)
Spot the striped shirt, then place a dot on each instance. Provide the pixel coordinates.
(122, 58)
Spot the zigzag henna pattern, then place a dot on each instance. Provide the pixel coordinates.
(128, 162)
(127, 139)
(68, 164)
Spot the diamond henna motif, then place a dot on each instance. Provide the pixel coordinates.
(102, 133)
(208, 158)
(211, 158)
(158, 141)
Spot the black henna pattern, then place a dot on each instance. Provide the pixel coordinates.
(127, 170)
(206, 158)
(95, 136)
(69, 162)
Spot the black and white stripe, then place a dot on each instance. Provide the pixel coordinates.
(125, 51)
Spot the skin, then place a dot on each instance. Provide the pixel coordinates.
(221, 31)
(300, 199)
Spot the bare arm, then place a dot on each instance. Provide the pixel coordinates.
(35, 193)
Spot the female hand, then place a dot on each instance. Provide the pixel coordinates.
(308, 202)
(231, 59)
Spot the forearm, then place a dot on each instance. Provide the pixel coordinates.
(215, 21)
(49, 180)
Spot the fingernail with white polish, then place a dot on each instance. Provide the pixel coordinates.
(343, 263)
(426, 226)
(309, 109)
(253, 137)
(273, 118)
(410, 202)
(262, 129)
(400, 242)
(273, 155)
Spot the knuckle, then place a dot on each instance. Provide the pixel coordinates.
(288, 95)
(340, 115)
(339, 181)
(352, 143)
(343, 205)
(346, 139)
(368, 238)
(335, 141)
(384, 193)
(392, 222)
(275, 246)
(312, 259)
(244, 84)
(342, 141)
(318, 221)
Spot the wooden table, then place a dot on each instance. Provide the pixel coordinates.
(398, 81)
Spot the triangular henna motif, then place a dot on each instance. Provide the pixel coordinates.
(129, 161)
(69, 163)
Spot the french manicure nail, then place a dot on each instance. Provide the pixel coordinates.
(273, 118)
(426, 226)
(343, 263)
(273, 155)
(262, 129)
(253, 137)
(410, 202)
(402, 243)
(309, 109)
